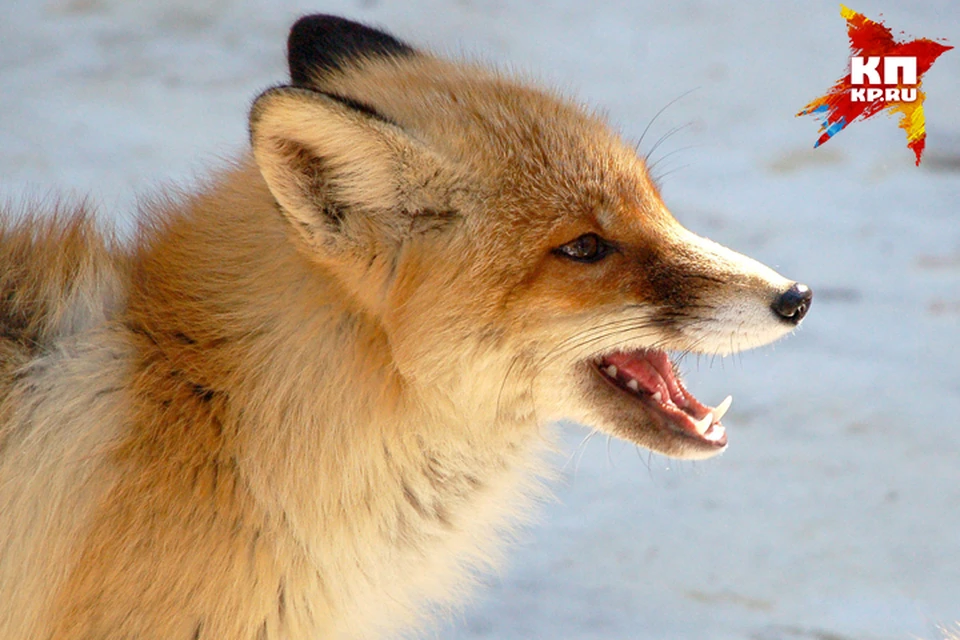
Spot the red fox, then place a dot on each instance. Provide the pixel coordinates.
(308, 400)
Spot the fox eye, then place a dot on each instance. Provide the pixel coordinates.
(587, 248)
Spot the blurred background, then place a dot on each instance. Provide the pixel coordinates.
(835, 512)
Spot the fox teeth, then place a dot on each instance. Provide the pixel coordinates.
(703, 423)
(657, 397)
(716, 433)
(611, 371)
(634, 385)
(721, 409)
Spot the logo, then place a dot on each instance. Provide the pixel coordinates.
(885, 75)
(864, 71)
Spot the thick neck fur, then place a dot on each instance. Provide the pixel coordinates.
(253, 360)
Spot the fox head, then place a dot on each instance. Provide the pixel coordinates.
(505, 238)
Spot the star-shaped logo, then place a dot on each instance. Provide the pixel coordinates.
(862, 93)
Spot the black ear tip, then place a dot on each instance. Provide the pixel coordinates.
(308, 29)
(319, 43)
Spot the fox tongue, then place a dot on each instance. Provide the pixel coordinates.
(653, 372)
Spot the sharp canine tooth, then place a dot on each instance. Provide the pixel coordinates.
(721, 409)
(703, 423)
(634, 385)
(657, 397)
(611, 371)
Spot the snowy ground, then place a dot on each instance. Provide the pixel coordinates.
(835, 514)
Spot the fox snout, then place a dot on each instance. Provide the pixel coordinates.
(751, 301)
(704, 297)
(676, 292)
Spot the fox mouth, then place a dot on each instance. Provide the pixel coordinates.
(649, 378)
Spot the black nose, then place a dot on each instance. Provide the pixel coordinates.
(794, 303)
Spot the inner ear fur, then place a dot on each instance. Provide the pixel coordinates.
(354, 187)
(333, 168)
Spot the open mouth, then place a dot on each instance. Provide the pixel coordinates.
(648, 376)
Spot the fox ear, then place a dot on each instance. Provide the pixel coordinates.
(351, 182)
(320, 44)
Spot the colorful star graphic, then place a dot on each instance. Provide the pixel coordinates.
(868, 38)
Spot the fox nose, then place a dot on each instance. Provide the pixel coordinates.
(793, 303)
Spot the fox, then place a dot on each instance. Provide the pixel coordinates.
(313, 397)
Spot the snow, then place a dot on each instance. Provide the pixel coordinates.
(836, 510)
